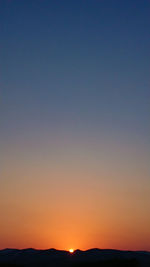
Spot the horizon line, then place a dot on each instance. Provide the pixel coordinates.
(78, 249)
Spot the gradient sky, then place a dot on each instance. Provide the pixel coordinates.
(75, 126)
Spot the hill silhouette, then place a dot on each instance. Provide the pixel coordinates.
(60, 258)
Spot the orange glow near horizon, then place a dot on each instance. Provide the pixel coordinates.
(68, 203)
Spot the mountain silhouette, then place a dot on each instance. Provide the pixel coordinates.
(61, 258)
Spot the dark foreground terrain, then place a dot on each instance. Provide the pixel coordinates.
(58, 258)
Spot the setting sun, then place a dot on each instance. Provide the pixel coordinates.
(71, 250)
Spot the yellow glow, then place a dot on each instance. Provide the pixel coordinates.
(71, 250)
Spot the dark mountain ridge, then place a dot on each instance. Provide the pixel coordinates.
(91, 257)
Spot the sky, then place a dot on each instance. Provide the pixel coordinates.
(75, 106)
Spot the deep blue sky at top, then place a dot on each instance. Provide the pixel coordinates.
(80, 64)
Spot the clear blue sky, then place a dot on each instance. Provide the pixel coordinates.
(81, 61)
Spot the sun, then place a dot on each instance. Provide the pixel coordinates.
(71, 250)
